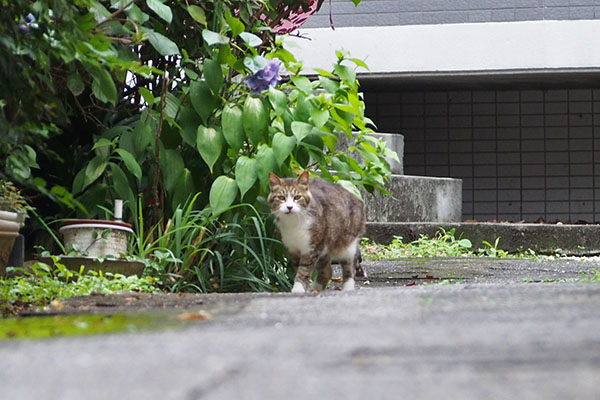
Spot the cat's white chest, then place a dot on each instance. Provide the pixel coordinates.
(295, 232)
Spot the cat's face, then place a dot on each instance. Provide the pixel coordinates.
(289, 198)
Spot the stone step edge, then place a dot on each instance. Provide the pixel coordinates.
(572, 240)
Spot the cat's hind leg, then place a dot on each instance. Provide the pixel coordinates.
(323, 274)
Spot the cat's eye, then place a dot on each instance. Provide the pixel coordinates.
(297, 197)
(282, 198)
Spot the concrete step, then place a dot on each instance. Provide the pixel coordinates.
(416, 199)
(575, 240)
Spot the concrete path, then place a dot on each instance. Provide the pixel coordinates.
(483, 340)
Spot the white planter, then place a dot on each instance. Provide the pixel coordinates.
(96, 238)
(9, 230)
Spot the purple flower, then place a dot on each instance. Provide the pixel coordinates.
(28, 23)
(268, 76)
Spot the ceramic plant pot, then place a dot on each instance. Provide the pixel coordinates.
(96, 238)
(10, 224)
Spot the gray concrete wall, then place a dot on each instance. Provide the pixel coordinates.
(522, 154)
(418, 12)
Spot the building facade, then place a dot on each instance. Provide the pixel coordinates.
(503, 94)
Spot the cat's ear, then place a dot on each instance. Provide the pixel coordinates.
(303, 179)
(274, 180)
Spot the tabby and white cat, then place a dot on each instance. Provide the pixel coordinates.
(318, 221)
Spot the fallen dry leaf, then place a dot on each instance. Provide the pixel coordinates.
(56, 304)
(194, 316)
(338, 280)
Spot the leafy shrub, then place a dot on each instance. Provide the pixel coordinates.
(198, 251)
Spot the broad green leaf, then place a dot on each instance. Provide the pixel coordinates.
(351, 187)
(233, 129)
(222, 194)
(347, 74)
(189, 121)
(301, 129)
(183, 189)
(329, 85)
(322, 72)
(120, 185)
(359, 63)
(203, 100)
(245, 174)
(255, 63)
(94, 170)
(102, 142)
(143, 138)
(172, 104)
(130, 163)
(235, 24)
(103, 85)
(251, 39)
(214, 75)
(161, 10)
(147, 95)
(214, 38)
(265, 163)
(210, 144)
(278, 100)
(319, 117)
(282, 147)
(254, 119)
(75, 84)
(161, 43)
(302, 83)
(197, 13)
(137, 15)
(172, 166)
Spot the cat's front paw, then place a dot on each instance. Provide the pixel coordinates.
(348, 285)
(298, 288)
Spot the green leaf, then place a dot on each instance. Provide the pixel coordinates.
(251, 39)
(102, 142)
(347, 74)
(265, 163)
(351, 187)
(203, 101)
(94, 170)
(197, 13)
(147, 95)
(255, 63)
(75, 84)
(103, 85)
(282, 147)
(143, 138)
(233, 129)
(235, 24)
(254, 119)
(161, 43)
(189, 120)
(329, 85)
(183, 189)
(245, 174)
(172, 166)
(214, 75)
(222, 194)
(359, 63)
(278, 100)
(130, 163)
(120, 185)
(161, 10)
(301, 129)
(319, 117)
(213, 38)
(210, 144)
(302, 83)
